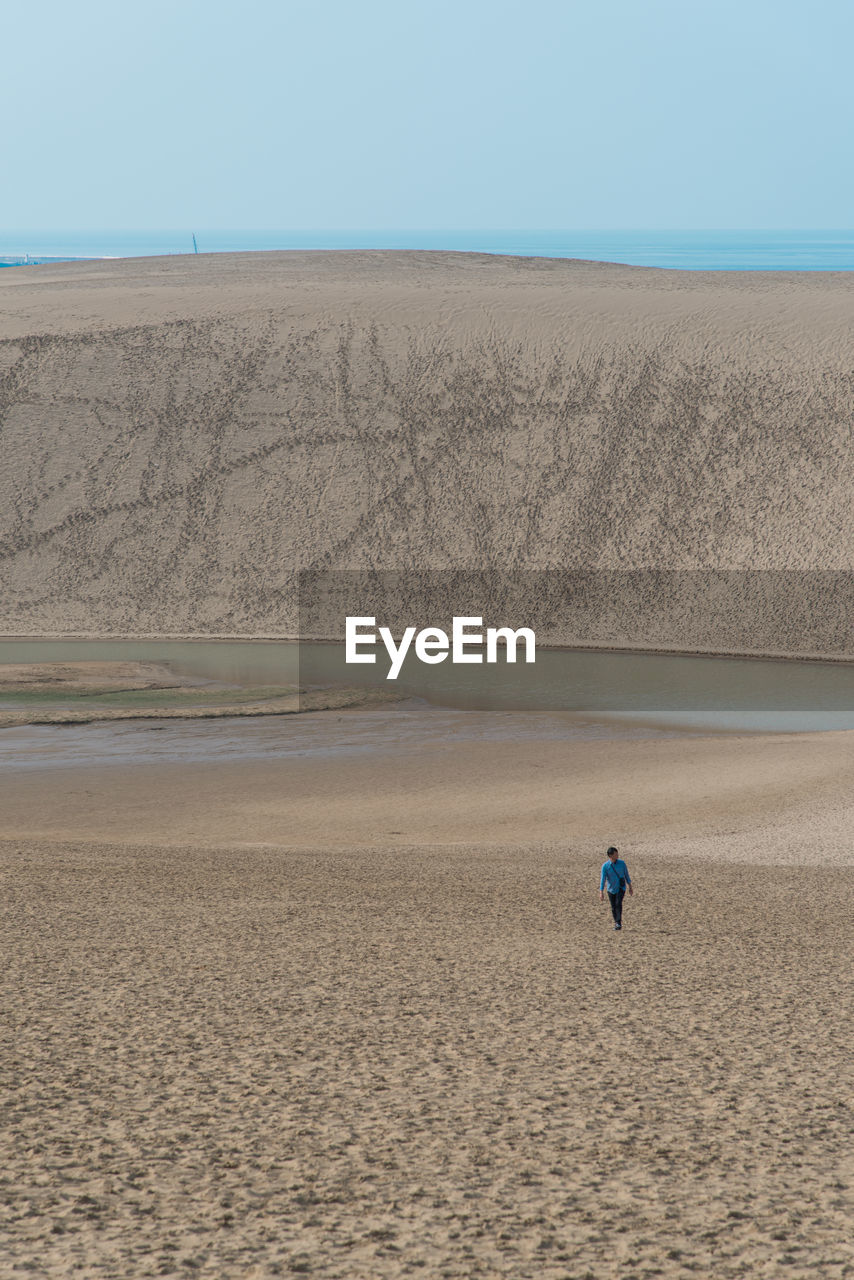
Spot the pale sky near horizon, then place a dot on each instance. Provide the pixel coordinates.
(602, 114)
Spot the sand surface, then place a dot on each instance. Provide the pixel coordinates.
(359, 1012)
(88, 675)
(406, 774)
(86, 692)
(334, 994)
(430, 1061)
(181, 436)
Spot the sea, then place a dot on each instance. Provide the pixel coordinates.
(801, 250)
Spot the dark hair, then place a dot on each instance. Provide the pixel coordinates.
(612, 850)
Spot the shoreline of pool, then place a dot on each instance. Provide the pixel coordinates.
(224, 637)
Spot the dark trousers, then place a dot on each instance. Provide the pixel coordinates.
(617, 905)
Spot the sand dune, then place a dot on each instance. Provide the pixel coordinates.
(348, 1005)
(368, 1018)
(180, 436)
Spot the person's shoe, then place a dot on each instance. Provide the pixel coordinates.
(618, 926)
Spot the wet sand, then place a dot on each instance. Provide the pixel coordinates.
(409, 774)
(360, 1013)
(87, 692)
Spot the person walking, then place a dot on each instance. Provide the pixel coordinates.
(615, 877)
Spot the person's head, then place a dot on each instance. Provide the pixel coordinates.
(613, 853)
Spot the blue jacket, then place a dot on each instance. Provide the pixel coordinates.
(613, 873)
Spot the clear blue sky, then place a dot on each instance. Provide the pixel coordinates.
(397, 113)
